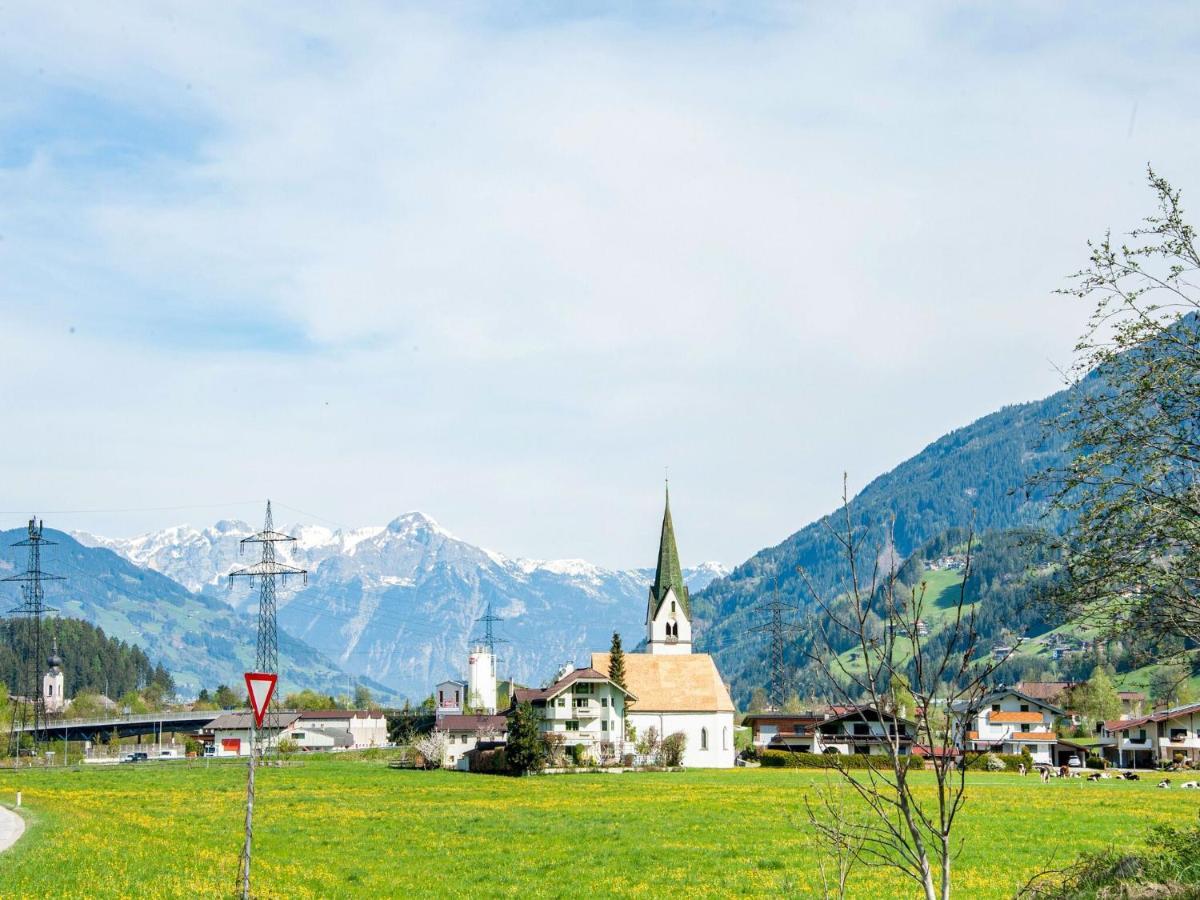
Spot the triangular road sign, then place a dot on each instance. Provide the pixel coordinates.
(260, 686)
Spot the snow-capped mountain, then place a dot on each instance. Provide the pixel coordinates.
(401, 603)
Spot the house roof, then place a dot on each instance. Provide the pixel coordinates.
(684, 682)
(1131, 695)
(1044, 690)
(1000, 692)
(1164, 716)
(497, 723)
(310, 714)
(238, 721)
(575, 675)
(804, 718)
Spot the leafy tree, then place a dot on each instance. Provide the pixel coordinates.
(87, 704)
(1097, 699)
(792, 704)
(526, 751)
(203, 696)
(227, 698)
(309, 699)
(901, 696)
(616, 661)
(758, 700)
(1169, 685)
(1130, 491)
(362, 697)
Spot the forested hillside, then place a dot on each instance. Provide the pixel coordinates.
(92, 661)
(975, 476)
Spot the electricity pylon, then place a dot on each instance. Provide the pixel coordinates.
(776, 627)
(31, 610)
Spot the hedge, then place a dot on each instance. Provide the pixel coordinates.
(785, 759)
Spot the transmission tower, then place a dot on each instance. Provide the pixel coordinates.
(775, 626)
(266, 657)
(489, 639)
(30, 612)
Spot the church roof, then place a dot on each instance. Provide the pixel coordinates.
(682, 682)
(669, 574)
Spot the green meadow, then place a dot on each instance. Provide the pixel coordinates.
(347, 826)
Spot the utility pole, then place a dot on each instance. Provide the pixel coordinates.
(31, 610)
(266, 657)
(776, 628)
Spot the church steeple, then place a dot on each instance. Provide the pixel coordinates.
(669, 573)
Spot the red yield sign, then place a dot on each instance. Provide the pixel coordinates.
(260, 686)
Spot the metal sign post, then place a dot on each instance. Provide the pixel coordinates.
(260, 686)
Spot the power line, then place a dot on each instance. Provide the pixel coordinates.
(775, 627)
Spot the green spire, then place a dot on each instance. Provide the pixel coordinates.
(669, 574)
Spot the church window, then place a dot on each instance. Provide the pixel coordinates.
(724, 738)
(672, 607)
(703, 738)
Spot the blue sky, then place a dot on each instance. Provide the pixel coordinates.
(504, 267)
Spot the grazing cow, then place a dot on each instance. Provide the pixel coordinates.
(1021, 769)
(1064, 772)
(1192, 785)
(1095, 776)
(1131, 776)
(1045, 773)
(1165, 783)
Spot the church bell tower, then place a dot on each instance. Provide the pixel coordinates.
(668, 612)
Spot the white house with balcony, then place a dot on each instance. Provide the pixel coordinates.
(1148, 741)
(844, 729)
(585, 707)
(1008, 721)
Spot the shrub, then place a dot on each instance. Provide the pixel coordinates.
(995, 763)
(1027, 758)
(627, 760)
(577, 752)
(1010, 761)
(671, 752)
(489, 762)
(787, 760)
(1092, 761)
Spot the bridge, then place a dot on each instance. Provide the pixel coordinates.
(98, 728)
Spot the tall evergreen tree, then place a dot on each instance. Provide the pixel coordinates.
(525, 751)
(616, 661)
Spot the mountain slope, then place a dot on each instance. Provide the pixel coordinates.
(976, 474)
(202, 640)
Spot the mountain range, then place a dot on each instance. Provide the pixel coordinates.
(400, 604)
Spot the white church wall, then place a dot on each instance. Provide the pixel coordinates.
(720, 753)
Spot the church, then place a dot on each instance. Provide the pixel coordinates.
(676, 690)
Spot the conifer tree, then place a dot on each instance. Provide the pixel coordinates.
(526, 751)
(616, 661)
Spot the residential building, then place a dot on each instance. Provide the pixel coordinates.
(364, 727)
(229, 734)
(584, 706)
(856, 729)
(466, 732)
(1006, 721)
(449, 697)
(1156, 739)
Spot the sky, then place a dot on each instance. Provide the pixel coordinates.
(507, 264)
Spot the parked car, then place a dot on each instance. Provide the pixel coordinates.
(135, 757)
(1074, 762)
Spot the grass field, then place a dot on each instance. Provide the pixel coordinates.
(340, 827)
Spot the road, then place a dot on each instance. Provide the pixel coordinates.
(12, 827)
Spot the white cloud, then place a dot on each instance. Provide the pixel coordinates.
(526, 264)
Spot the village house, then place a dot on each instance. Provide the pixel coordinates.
(449, 697)
(585, 707)
(466, 732)
(1148, 741)
(1008, 721)
(355, 729)
(229, 733)
(856, 729)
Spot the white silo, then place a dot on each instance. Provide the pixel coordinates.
(481, 680)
